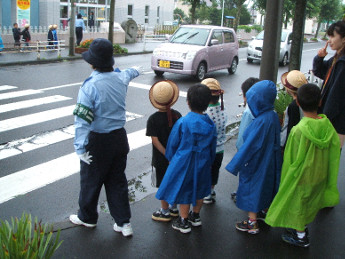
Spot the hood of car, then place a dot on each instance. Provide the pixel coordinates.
(256, 44)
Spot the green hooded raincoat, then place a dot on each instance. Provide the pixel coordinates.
(309, 174)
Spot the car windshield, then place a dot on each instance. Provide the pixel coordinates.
(260, 36)
(192, 36)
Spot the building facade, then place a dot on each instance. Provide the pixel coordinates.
(44, 12)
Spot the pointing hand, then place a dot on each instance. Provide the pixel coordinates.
(323, 52)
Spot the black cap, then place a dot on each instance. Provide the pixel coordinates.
(100, 53)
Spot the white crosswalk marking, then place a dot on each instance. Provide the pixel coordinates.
(19, 94)
(38, 176)
(35, 118)
(7, 87)
(31, 103)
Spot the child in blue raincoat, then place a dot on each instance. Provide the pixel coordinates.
(190, 150)
(259, 158)
(1, 44)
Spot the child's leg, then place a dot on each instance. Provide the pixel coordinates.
(250, 225)
(252, 216)
(165, 205)
(197, 207)
(184, 210)
(194, 217)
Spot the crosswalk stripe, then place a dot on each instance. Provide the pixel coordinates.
(35, 118)
(38, 176)
(19, 94)
(21, 146)
(7, 87)
(147, 87)
(31, 103)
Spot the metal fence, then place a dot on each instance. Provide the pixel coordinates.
(43, 46)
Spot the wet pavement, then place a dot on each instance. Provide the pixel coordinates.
(216, 238)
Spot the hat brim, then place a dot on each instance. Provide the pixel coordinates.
(174, 99)
(96, 61)
(283, 78)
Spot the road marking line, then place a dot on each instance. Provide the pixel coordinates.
(7, 87)
(31, 103)
(38, 176)
(35, 118)
(21, 146)
(61, 86)
(19, 94)
(148, 87)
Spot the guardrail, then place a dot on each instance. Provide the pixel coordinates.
(43, 46)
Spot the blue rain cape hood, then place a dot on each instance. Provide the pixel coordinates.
(259, 159)
(190, 150)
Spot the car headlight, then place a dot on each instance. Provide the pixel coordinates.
(190, 55)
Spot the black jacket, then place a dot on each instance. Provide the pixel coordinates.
(26, 35)
(16, 33)
(333, 93)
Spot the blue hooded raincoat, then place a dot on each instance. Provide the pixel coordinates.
(190, 150)
(259, 158)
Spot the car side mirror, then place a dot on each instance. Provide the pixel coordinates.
(214, 42)
(253, 37)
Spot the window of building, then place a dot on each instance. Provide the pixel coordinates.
(147, 11)
(130, 10)
(102, 2)
(158, 11)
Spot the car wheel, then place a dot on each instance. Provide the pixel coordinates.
(284, 60)
(159, 73)
(249, 60)
(233, 67)
(201, 71)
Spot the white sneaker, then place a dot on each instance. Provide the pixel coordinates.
(126, 229)
(75, 220)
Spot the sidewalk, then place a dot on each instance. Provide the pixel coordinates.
(216, 238)
(8, 58)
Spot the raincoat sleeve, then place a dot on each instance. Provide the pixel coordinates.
(174, 140)
(254, 138)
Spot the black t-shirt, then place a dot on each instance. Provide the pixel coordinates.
(158, 126)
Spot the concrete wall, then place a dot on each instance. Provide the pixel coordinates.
(49, 12)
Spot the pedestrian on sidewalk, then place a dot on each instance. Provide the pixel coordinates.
(259, 158)
(79, 28)
(332, 71)
(293, 114)
(1, 44)
(163, 95)
(26, 36)
(101, 140)
(190, 151)
(216, 112)
(50, 36)
(309, 172)
(16, 35)
(247, 117)
(55, 37)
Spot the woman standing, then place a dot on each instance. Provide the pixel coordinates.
(26, 35)
(332, 71)
(79, 27)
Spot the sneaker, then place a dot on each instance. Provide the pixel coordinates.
(195, 221)
(160, 216)
(291, 230)
(209, 199)
(293, 239)
(182, 225)
(251, 228)
(173, 212)
(126, 229)
(75, 220)
(261, 215)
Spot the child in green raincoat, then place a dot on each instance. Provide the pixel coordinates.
(309, 173)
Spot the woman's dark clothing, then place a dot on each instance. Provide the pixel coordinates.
(333, 91)
(50, 37)
(91, 21)
(26, 35)
(79, 34)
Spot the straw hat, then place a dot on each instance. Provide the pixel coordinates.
(27, 25)
(215, 88)
(55, 26)
(50, 26)
(164, 94)
(293, 80)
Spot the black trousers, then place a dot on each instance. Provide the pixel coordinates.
(79, 34)
(109, 157)
(216, 166)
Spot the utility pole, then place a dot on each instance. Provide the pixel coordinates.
(222, 14)
(71, 29)
(271, 46)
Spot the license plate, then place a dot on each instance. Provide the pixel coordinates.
(164, 63)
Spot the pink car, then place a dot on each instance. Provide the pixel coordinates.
(196, 50)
